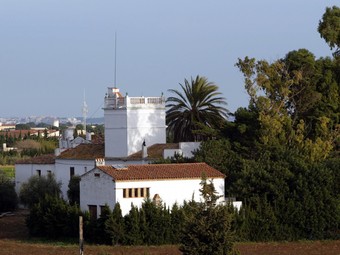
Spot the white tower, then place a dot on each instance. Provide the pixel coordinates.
(129, 121)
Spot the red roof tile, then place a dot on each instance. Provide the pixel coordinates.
(43, 159)
(162, 171)
(84, 151)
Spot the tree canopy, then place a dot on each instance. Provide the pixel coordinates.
(329, 27)
(198, 103)
(37, 187)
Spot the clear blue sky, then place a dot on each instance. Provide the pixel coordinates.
(51, 51)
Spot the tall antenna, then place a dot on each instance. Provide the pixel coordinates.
(115, 74)
(85, 111)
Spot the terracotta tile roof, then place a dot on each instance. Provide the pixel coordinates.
(155, 151)
(162, 171)
(84, 151)
(17, 133)
(43, 159)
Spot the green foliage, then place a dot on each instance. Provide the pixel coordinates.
(8, 196)
(37, 187)
(207, 226)
(22, 127)
(52, 217)
(114, 225)
(201, 103)
(329, 26)
(73, 192)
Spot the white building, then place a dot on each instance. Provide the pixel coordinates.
(129, 121)
(24, 169)
(135, 134)
(131, 184)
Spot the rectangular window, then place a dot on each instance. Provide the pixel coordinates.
(97, 175)
(71, 171)
(49, 172)
(93, 212)
(39, 172)
(136, 192)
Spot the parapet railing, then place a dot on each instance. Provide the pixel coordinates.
(122, 102)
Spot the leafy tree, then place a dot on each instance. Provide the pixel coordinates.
(73, 192)
(8, 196)
(329, 27)
(207, 227)
(272, 89)
(37, 187)
(53, 217)
(200, 102)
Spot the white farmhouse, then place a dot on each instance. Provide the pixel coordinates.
(135, 133)
(131, 184)
(24, 169)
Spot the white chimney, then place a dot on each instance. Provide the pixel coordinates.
(99, 162)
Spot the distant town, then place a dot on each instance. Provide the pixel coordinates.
(50, 120)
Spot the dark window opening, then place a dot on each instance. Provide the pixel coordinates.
(93, 212)
(71, 171)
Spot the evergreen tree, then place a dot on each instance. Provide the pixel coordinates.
(114, 226)
(74, 190)
(207, 228)
(132, 227)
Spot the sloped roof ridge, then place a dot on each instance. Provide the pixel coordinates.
(162, 171)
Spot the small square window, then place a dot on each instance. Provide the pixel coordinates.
(96, 174)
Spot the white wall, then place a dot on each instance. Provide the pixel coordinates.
(62, 171)
(115, 133)
(24, 171)
(128, 126)
(96, 191)
(170, 191)
(101, 191)
(145, 124)
(188, 147)
(185, 149)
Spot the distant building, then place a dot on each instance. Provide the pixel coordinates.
(6, 127)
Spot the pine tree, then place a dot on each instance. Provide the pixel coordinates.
(207, 227)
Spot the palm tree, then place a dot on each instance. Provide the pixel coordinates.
(200, 104)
